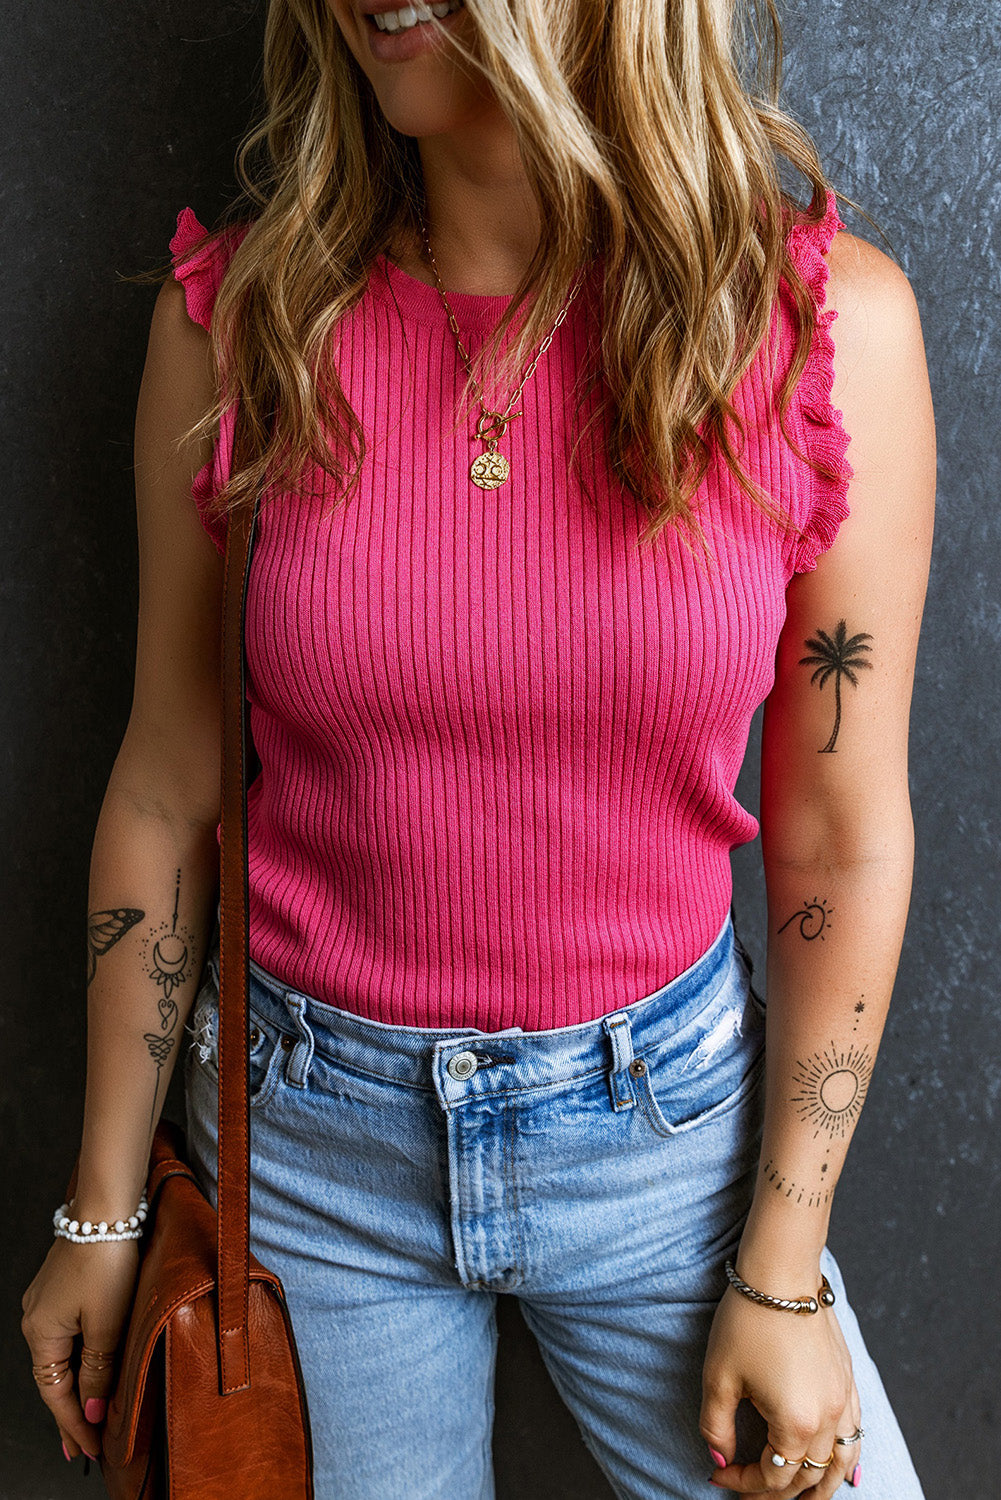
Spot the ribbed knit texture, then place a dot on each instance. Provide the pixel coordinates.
(499, 743)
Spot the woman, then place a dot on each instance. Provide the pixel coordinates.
(503, 1034)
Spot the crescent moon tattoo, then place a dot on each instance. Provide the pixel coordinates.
(171, 951)
(169, 967)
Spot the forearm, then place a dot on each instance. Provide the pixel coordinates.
(153, 887)
(834, 934)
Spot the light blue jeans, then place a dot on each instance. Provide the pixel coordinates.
(401, 1178)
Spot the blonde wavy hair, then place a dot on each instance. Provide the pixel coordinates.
(642, 144)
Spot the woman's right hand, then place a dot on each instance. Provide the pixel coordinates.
(81, 1295)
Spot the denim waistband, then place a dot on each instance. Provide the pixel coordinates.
(458, 1061)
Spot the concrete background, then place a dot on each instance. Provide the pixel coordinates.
(113, 119)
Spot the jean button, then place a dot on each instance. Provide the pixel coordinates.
(462, 1065)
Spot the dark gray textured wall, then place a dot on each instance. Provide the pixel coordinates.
(115, 117)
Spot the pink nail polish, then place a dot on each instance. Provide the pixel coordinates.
(67, 1454)
(92, 1456)
(95, 1409)
(717, 1458)
(857, 1476)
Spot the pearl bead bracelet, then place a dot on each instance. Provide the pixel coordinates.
(88, 1233)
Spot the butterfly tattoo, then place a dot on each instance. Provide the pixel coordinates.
(104, 930)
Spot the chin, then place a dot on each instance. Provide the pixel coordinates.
(418, 116)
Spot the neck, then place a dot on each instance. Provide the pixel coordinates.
(481, 216)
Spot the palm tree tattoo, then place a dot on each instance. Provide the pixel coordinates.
(837, 657)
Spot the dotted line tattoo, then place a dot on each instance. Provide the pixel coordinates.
(815, 1198)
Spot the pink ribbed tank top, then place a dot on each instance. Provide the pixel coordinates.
(499, 743)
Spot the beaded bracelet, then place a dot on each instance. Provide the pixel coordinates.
(88, 1233)
(824, 1298)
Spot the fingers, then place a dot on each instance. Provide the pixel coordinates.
(846, 1455)
(792, 1476)
(764, 1476)
(717, 1425)
(55, 1379)
(74, 1382)
(97, 1371)
(799, 1477)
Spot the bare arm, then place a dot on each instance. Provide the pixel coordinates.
(838, 846)
(155, 850)
(836, 822)
(154, 865)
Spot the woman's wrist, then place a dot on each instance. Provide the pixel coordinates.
(106, 1195)
(780, 1249)
(72, 1222)
(111, 1205)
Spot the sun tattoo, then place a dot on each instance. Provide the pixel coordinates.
(814, 919)
(833, 1087)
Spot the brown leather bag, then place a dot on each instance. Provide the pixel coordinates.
(208, 1399)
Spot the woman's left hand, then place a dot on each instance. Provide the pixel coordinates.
(797, 1371)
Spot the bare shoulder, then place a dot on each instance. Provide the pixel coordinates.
(178, 387)
(179, 340)
(878, 322)
(882, 389)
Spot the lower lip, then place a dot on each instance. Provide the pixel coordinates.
(400, 46)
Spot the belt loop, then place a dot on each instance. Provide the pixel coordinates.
(620, 1083)
(301, 1056)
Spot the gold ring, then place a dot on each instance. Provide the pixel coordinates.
(811, 1463)
(856, 1437)
(96, 1359)
(780, 1462)
(51, 1374)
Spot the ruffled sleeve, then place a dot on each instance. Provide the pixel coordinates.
(200, 262)
(824, 436)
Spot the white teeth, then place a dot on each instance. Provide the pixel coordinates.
(412, 15)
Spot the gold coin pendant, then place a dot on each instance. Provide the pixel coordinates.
(489, 470)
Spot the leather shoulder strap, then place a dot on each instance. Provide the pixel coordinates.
(234, 973)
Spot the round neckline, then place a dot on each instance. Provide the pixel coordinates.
(418, 300)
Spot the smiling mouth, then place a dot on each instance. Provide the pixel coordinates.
(409, 17)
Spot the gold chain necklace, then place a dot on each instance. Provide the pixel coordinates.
(491, 468)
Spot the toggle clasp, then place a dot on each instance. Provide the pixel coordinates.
(491, 425)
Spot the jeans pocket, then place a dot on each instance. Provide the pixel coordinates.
(264, 1045)
(673, 1106)
(709, 1067)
